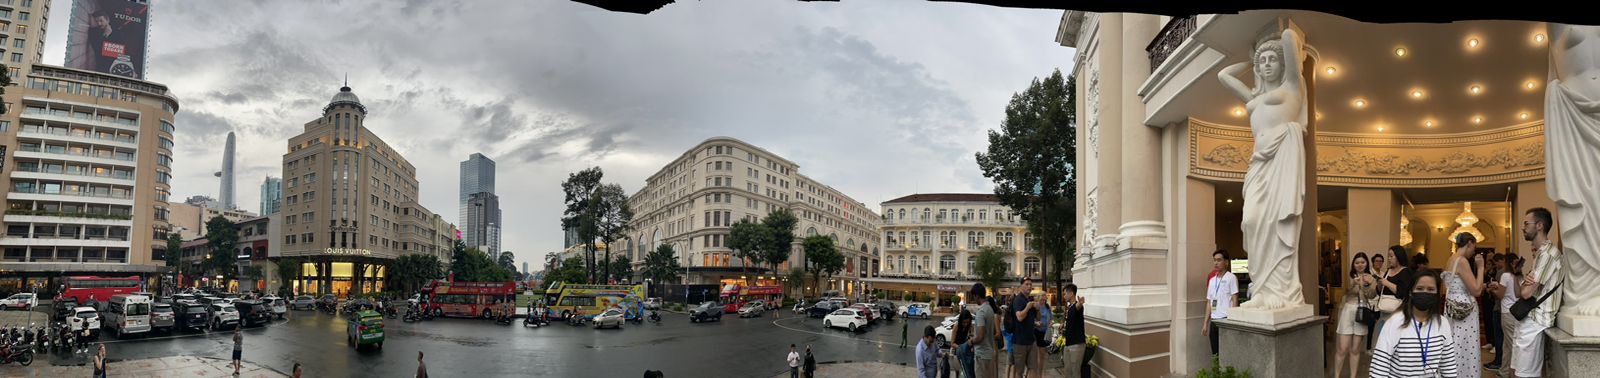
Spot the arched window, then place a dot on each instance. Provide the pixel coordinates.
(941, 217)
(811, 231)
(926, 213)
(1030, 265)
(981, 238)
(925, 265)
(902, 214)
(998, 215)
(972, 264)
(972, 240)
(947, 265)
(927, 237)
(901, 266)
(916, 240)
(1027, 242)
(888, 238)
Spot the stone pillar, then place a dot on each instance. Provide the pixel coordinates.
(1107, 143)
(1373, 223)
(1194, 237)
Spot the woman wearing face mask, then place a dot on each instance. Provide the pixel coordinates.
(1462, 286)
(1363, 287)
(1419, 342)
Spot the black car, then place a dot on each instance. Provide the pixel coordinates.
(706, 312)
(821, 309)
(357, 305)
(328, 301)
(253, 313)
(191, 315)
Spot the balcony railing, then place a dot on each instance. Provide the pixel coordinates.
(27, 148)
(46, 213)
(1173, 34)
(64, 133)
(67, 193)
(119, 176)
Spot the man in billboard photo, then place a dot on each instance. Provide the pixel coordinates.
(108, 36)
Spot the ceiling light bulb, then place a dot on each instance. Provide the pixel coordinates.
(1230, 200)
(1531, 84)
(1400, 52)
(1475, 89)
(1472, 43)
(1416, 93)
(1361, 103)
(1331, 70)
(1238, 112)
(1538, 37)
(1428, 123)
(1478, 119)
(1380, 129)
(1524, 115)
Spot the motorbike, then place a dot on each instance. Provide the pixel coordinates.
(576, 320)
(655, 317)
(412, 315)
(391, 312)
(22, 356)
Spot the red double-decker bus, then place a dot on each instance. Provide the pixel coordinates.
(81, 288)
(469, 299)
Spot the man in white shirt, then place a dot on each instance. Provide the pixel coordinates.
(794, 362)
(1505, 287)
(1222, 290)
(1528, 360)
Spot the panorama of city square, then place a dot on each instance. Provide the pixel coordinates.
(782, 189)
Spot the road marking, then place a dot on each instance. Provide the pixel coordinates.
(776, 323)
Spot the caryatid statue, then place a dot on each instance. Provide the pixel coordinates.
(1572, 166)
(1275, 184)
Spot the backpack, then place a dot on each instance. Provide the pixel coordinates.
(1010, 324)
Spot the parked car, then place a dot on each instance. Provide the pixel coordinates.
(652, 303)
(752, 309)
(916, 310)
(128, 314)
(364, 328)
(358, 305)
(868, 310)
(162, 317)
(853, 319)
(183, 298)
(279, 306)
(252, 312)
(611, 318)
(65, 308)
(85, 317)
(222, 315)
(304, 302)
(841, 301)
(822, 309)
(191, 315)
(706, 312)
(328, 300)
(19, 301)
(760, 302)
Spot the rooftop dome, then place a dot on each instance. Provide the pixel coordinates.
(345, 96)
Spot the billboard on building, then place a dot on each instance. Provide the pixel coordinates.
(109, 36)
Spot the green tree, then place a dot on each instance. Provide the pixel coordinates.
(174, 255)
(477, 266)
(661, 265)
(288, 270)
(622, 269)
(823, 257)
(1031, 161)
(567, 271)
(507, 260)
(221, 237)
(748, 239)
(5, 81)
(458, 256)
(612, 215)
(411, 272)
(795, 280)
(579, 191)
(991, 266)
(780, 226)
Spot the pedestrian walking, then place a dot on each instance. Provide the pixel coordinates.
(238, 348)
(296, 371)
(983, 333)
(794, 362)
(422, 367)
(811, 363)
(927, 355)
(1023, 314)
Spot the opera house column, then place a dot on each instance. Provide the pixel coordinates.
(1276, 333)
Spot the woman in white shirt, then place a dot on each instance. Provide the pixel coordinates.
(1419, 343)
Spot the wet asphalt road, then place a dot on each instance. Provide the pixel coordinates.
(734, 347)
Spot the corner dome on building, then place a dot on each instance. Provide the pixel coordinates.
(345, 96)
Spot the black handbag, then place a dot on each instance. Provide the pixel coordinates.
(1523, 306)
(1366, 315)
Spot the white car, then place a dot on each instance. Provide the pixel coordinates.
(223, 316)
(848, 318)
(85, 316)
(279, 305)
(916, 310)
(612, 317)
(652, 303)
(946, 330)
(19, 301)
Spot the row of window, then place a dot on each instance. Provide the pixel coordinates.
(307, 218)
(66, 254)
(76, 88)
(948, 239)
(56, 187)
(77, 150)
(949, 214)
(719, 218)
(56, 128)
(947, 265)
(67, 231)
(75, 169)
(301, 238)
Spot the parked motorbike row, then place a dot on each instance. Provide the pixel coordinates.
(19, 344)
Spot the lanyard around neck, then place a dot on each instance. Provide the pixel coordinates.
(1423, 339)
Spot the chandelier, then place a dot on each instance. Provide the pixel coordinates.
(1466, 220)
(1405, 233)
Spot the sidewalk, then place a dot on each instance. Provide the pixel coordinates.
(181, 366)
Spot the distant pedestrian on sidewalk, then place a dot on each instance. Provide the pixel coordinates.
(296, 371)
(794, 362)
(422, 367)
(238, 347)
(811, 363)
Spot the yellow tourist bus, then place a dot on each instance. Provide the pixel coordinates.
(564, 299)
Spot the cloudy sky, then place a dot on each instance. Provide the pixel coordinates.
(879, 99)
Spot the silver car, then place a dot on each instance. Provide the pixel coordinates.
(752, 309)
(612, 318)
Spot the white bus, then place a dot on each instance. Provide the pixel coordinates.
(127, 314)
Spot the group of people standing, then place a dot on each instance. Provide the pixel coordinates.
(983, 328)
(1426, 322)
